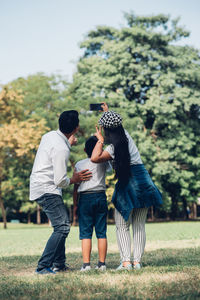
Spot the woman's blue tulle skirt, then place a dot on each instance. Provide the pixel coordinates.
(140, 192)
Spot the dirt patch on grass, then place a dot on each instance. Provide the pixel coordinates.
(119, 279)
(177, 244)
(154, 245)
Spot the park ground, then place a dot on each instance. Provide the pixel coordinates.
(171, 266)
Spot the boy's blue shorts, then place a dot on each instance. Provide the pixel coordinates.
(92, 212)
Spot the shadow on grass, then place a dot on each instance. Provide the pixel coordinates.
(57, 288)
(27, 227)
(176, 258)
(187, 257)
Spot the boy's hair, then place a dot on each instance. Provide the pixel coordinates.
(90, 144)
(68, 121)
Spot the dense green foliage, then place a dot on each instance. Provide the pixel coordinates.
(141, 72)
(38, 98)
(155, 84)
(43, 96)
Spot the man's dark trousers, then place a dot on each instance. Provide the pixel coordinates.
(54, 252)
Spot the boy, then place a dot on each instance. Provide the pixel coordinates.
(92, 207)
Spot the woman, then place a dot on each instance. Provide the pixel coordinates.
(134, 192)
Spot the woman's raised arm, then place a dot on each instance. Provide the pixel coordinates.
(98, 155)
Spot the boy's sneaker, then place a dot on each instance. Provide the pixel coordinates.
(137, 266)
(102, 268)
(65, 268)
(129, 267)
(85, 269)
(45, 271)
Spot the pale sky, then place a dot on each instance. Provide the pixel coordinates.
(44, 35)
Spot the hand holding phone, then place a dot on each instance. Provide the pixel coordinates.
(99, 106)
(96, 106)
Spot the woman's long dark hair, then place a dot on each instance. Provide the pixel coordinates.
(117, 137)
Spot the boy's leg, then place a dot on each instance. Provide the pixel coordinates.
(100, 216)
(85, 215)
(86, 250)
(102, 249)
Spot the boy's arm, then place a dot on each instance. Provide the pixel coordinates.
(75, 203)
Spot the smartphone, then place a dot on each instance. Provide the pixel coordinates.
(96, 106)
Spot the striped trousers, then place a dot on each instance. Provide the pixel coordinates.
(137, 218)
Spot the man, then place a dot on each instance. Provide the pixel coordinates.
(48, 177)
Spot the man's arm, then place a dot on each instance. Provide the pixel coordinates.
(60, 160)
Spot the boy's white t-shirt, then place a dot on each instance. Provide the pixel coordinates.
(97, 182)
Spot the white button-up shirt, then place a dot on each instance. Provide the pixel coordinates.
(49, 173)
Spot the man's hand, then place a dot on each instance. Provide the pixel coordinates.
(72, 140)
(84, 175)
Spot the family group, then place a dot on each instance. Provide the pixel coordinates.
(134, 191)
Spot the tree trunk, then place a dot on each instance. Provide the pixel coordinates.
(185, 209)
(152, 215)
(29, 217)
(75, 217)
(174, 208)
(3, 211)
(194, 208)
(38, 215)
(70, 211)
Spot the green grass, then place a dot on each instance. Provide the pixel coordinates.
(171, 266)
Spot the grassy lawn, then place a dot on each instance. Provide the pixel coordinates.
(171, 266)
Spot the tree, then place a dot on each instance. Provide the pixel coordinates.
(41, 97)
(29, 208)
(155, 84)
(45, 97)
(18, 142)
